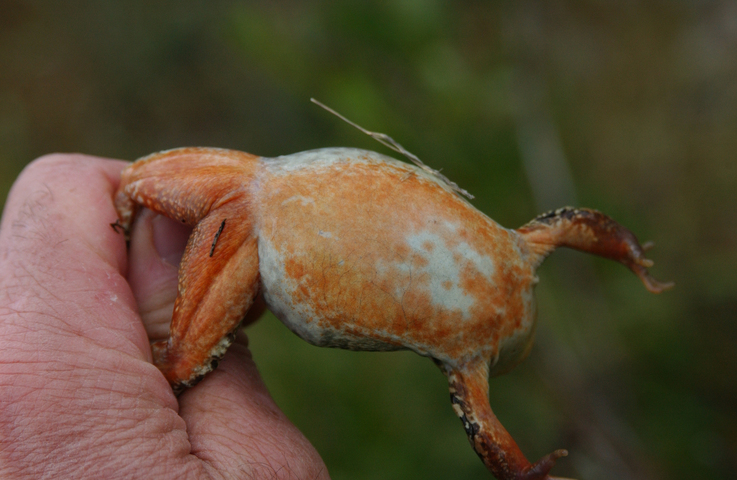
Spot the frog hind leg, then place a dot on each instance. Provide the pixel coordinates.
(469, 396)
(592, 232)
(218, 282)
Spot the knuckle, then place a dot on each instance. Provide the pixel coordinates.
(49, 167)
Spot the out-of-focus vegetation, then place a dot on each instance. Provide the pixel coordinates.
(628, 107)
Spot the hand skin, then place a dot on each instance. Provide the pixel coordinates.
(79, 397)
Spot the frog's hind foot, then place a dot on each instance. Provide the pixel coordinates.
(469, 388)
(540, 469)
(593, 232)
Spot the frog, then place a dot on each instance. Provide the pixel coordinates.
(356, 250)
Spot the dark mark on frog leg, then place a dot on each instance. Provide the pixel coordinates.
(462, 409)
(484, 446)
(217, 235)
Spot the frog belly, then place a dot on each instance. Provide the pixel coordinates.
(294, 306)
(362, 253)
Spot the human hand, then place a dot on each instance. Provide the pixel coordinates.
(79, 396)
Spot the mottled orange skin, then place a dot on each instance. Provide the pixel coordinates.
(355, 250)
(371, 281)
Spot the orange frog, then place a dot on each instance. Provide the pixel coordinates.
(353, 249)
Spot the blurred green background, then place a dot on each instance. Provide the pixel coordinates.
(627, 107)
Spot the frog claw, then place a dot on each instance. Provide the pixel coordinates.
(653, 285)
(592, 232)
(645, 262)
(647, 245)
(539, 470)
(637, 262)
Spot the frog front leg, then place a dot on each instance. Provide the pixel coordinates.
(469, 395)
(218, 282)
(219, 274)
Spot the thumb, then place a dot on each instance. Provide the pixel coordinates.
(156, 247)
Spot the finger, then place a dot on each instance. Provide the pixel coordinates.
(60, 253)
(73, 367)
(235, 426)
(156, 247)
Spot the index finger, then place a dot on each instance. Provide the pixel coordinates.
(61, 258)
